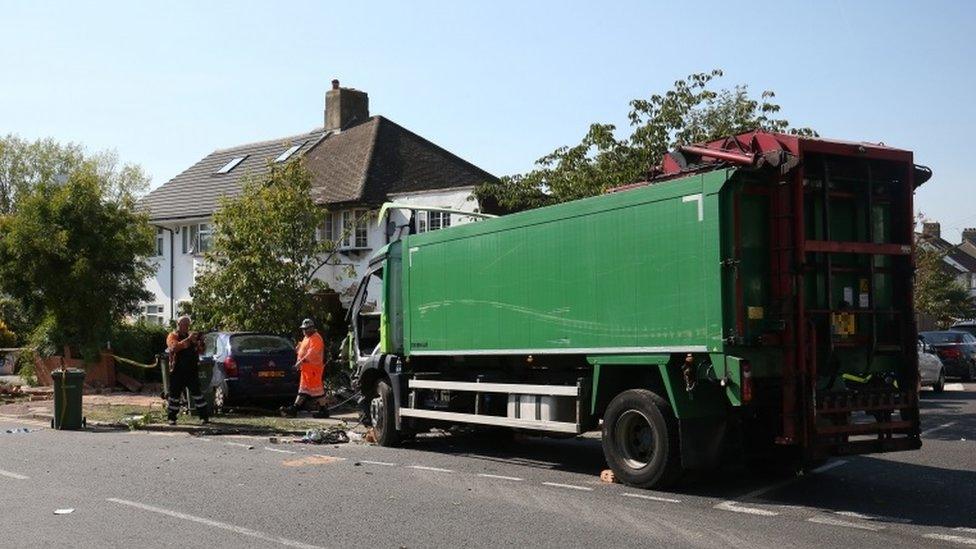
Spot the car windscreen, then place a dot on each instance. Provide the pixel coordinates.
(258, 344)
(937, 338)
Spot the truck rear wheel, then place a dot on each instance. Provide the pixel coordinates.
(640, 440)
(382, 412)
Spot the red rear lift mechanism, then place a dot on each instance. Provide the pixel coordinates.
(783, 155)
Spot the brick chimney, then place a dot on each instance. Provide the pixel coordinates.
(931, 230)
(969, 235)
(345, 107)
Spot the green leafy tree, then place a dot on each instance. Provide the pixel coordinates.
(74, 254)
(691, 112)
(937, 292)
(25, 164)
(258, 274)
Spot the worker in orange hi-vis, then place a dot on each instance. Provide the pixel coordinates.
(311, 363)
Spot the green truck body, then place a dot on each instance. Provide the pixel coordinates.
(681, 303)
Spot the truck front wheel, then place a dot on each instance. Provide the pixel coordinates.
(383, 414)
(640, 439)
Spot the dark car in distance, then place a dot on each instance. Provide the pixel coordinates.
(251, 367)
(956, 349)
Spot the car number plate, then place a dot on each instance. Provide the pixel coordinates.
(271, 373)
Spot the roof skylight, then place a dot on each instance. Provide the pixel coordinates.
(287, 154)
(231, 165)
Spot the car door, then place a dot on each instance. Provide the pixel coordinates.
(928, 364)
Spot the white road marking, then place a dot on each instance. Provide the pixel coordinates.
(652, 498)
(883, 518)
(847, 524)
(732, 506)
(425, 468)
(934, 429)
(946, 537)
(279, 451)
(967, 530)
(215, 524)
(205, 439)
(829, 466)
(500, 477)
(386, 463)
(13, 475)
(248, 446)
(570, 486)
(954, 387)
(334, 458)
(770, 488)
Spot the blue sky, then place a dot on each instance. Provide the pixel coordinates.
(498, 83)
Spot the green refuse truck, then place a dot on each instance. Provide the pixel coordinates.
(751, 300)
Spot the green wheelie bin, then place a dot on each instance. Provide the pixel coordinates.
(68, 386)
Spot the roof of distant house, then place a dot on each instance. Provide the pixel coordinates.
(361, 164)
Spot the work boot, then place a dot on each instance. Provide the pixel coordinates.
(288, 411)
(172, 422)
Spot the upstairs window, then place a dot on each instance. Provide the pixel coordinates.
(152, 314)
(283, 157)
(159, 241)
(327, 232)
(231, 165)
(438, 220)
(355, 229)
(197, 238)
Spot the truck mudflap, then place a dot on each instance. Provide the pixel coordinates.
(866, 422)
(702, 441)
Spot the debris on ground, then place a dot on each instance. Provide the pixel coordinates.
(19, 430)
(370, 436)
(607, 476)
(9, 389)
(128, 382)
(330, 435)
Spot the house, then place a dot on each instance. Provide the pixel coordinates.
(958, 259)
(357, 162)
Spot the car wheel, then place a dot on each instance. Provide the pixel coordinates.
(382, 413)
(640, 440)
(939, 384)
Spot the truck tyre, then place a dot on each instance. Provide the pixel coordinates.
(640, 440)
(383, 414)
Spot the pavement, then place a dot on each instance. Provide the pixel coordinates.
(161, 488)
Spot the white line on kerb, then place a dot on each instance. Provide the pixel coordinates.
(386, 463)
(934, 429)
(500, 477)
(732, 506)
(248, 446)
(652, 498)
(279, 451)
(222, 525)
(967, 530)
(425, 468)
(13, 475)
(570, 486)
(854, 514)
(835, 522)
(957, 539)
(829, 466)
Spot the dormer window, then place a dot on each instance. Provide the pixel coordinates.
(230, 165)
(287, 154)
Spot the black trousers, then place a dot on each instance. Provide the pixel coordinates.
(180, 380)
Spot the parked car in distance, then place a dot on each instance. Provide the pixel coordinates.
(956, 349)
(931, 372)
(965, 326)
(251, 367)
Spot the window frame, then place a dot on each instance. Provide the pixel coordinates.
(160, 242)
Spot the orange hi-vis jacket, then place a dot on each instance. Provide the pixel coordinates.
(311, 355)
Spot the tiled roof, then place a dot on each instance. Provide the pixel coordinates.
(196, 191)
(362, 164)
